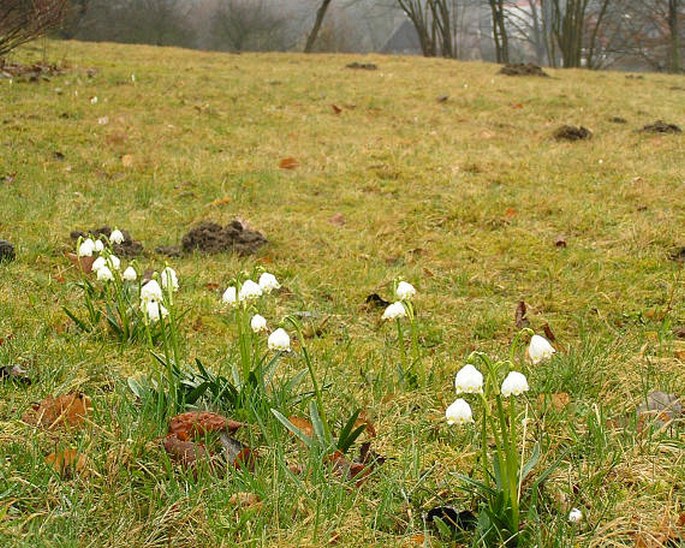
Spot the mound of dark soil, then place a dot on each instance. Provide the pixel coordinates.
(572, 133)
(618, 120)
(128, 248)
(362, 66)
(29, 73)
(210, 237)
(6, 251)
(661, 127)
(521, 69)
(678, 255)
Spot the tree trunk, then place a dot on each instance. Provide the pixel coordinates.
(320, 14)
(674, 37)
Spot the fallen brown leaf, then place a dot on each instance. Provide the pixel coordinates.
(84, 263)
(67, 462)
(288, 163)
(336, 109)
(69, 409)
(186, 453)
(549, 333)
(195, 424)
(221, 201)
(338, 219)
(520, 318)
(303, 424)
(245, 500)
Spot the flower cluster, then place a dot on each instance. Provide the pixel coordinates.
(404, 292)
(470, 381)
(248, 293)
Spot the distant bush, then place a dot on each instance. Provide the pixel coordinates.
(24, 20)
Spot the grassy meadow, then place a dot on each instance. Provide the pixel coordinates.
(465, 197)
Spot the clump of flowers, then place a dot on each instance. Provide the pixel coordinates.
(496, 388)
(395, 312)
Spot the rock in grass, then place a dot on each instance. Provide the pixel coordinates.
(7, 253)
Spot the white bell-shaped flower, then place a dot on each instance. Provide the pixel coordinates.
(169, 279)
(268, 282)
(394, 311)
(514, 384)
(117, 236)
(114, 262)
(468, 380)
(154, 310)
(405, 291)
(230, 296)
(279, 340)
(104, 274)
(459, 413)
(99, 246)
(258, 323)
(151, 292)
(249, 291)
(98, 264)
(539, 349)
(86, 248)
(130, 274)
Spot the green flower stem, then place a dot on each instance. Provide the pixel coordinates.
(400, 340)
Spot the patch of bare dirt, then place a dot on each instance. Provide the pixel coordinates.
(30, 73)
(209, 237)
(362, 66)
(7, 252)
(128, 248)
(523, 69)
(572, 133)
(661, 127)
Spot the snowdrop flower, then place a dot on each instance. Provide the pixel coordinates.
(151, 292)
(405, 291)
(104, 274)
(258, 323)
(114, 262)
(459, 413)
(575, 515)
(86, 248)
(394, 311)
(230, 296)
(540, 349)
(94, 100)
(130, 274)
(279, 340)
(117, 236)
(469, 380)
(98, 263)
(249, 291)
(155, 311)
(514, 384)
(99, 246)
(169, 279)
(268, 282)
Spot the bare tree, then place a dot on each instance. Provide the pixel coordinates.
(320, 14)
(435, 22)
(499, 30)
(248, 25)
(24, 20)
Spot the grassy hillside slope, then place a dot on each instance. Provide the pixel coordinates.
(463, 197)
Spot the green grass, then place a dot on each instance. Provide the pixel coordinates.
(462, 198)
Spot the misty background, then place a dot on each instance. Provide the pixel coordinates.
(616, 34)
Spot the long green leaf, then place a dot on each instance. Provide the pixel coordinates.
(317, 423)
(294, 429)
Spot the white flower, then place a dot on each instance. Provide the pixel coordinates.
(94, 100)
(117, 236)
(258, 323)
(279, 340)
(469, 380)
(394, 311)
(130, 274)
(405, 291)
(459, 413)
(169, 279)
(539, 349)
(575, 515)
(268, 282)
(514, 384)
(154, 311)
(98, 245)
(249, 291)
(114, 262)
(86, 248)
(151, 292)
(104, 274)
(230, 296)
(98, 264)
